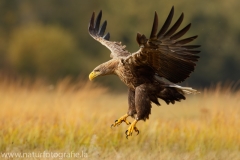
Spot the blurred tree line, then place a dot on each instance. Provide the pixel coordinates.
(49, 39)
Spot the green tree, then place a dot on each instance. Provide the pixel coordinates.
(45, 51)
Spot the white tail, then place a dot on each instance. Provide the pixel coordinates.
(186, 90)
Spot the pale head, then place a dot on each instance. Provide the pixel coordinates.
(104, 69)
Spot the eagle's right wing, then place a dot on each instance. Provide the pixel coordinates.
(116, 48)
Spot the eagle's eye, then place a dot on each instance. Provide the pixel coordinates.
(96, 70)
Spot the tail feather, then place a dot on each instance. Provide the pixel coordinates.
(186, 90)
(172, 92)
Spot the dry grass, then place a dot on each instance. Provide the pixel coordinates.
(77, 118)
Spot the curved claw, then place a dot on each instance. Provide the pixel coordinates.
(120, 120)
(137, 132)
(131, 129)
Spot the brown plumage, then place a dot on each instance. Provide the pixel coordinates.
(150, 73)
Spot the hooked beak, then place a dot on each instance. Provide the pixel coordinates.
(93, 75)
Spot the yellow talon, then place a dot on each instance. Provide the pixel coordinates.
(131, 128)
(120, 120)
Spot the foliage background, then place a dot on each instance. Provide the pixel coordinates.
(48, 39)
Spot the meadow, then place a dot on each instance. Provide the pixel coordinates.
(66, 117)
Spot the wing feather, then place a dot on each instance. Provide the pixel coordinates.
(191, 46)
(155, 26)
(174, 27)
(102, 29)
(186, 40)
(180, 33)
(98, 21)
(166, 24)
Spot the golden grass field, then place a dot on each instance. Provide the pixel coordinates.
(77, 118)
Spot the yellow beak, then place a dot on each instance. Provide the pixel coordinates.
(93, 75)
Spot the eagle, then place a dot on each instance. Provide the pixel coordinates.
(151, 73)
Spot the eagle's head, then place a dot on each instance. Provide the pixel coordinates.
(104, 69)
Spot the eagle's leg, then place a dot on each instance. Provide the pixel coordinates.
(132, 128)
(131, 103)
(143, 107)
(120, 120)
(131, 110)
(142, 101)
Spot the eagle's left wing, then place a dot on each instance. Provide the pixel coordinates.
(168, 56)
(97, 32)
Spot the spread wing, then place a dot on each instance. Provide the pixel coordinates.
(168, 56)
(97, 32)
